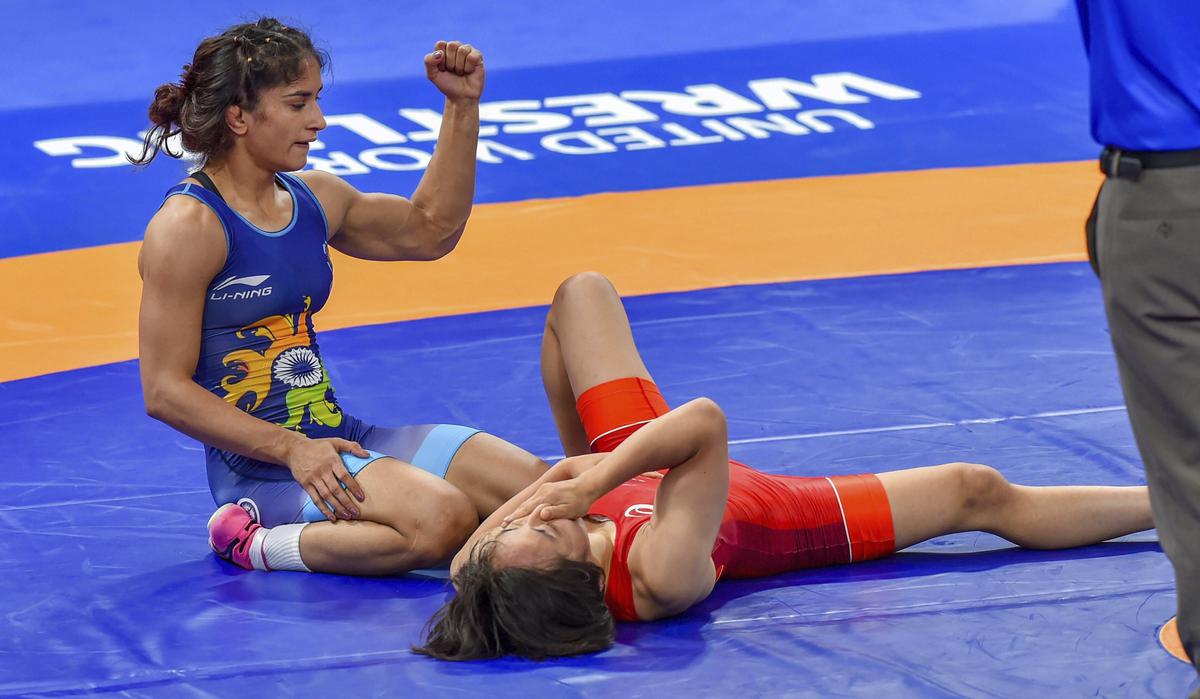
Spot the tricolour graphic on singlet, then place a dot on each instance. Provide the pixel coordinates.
(288, 367)
(258, 348)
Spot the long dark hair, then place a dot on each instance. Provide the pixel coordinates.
(231, 68)
(531, 612)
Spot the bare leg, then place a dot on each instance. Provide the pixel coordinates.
(936, 500)
(489, 471)
(410, 519)
(587, 342)
(560, 396)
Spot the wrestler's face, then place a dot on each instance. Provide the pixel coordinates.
(285, 121)
(532, 542)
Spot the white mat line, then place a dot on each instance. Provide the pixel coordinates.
(930, 425)
(1057, 596)
(916, 426)
(98, 501)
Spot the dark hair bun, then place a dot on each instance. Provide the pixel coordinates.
(167, 104)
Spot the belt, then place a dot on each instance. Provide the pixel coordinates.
(1129, 164)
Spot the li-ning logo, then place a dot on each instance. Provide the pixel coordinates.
(640, 510)
(254, 281)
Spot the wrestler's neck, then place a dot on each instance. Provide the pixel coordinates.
(601, 537)
(242, 180)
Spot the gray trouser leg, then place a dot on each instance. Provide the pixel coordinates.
(1148, 253)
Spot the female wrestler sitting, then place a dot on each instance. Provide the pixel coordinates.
(643, 528)
(235, 267)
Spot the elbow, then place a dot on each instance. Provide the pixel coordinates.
(443, 240)
(438, 252)
(435, 250)
(710, 418)
(437, 229)
(156, 411)
(156, 402)
(155, 408)
(449, 241)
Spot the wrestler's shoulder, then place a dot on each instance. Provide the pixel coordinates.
(185, 220)
(321, 182)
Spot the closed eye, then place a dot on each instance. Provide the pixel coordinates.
(543, 532)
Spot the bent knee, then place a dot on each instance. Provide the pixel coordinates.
(583, 285)
(447, 520)
(980, 487)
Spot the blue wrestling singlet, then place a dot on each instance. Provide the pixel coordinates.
(259, 352)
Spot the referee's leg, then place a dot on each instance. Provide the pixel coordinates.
(1148, 249)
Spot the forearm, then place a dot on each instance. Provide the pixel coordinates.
(568, 468)
(447, 190)
(497, 517)
(664, 443)
(189, 408)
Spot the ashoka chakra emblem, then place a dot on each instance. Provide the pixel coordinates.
(298, 368)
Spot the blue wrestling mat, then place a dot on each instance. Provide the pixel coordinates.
(109, 587)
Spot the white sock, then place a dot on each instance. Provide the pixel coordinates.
(278, 548)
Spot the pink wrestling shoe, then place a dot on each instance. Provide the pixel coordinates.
(231, 531)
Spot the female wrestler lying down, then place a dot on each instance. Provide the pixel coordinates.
(643, 527)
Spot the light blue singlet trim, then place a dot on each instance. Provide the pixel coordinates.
(440, 446)
(187, 191)
(295, 213)
(434, 455)
(302, 183)
(354, 464)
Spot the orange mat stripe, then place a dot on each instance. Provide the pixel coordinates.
(1168, 636)
(78, 308)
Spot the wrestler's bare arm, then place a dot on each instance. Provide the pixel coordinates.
(390, 227)
(566, 469)
(671, 558)
(183, 250)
